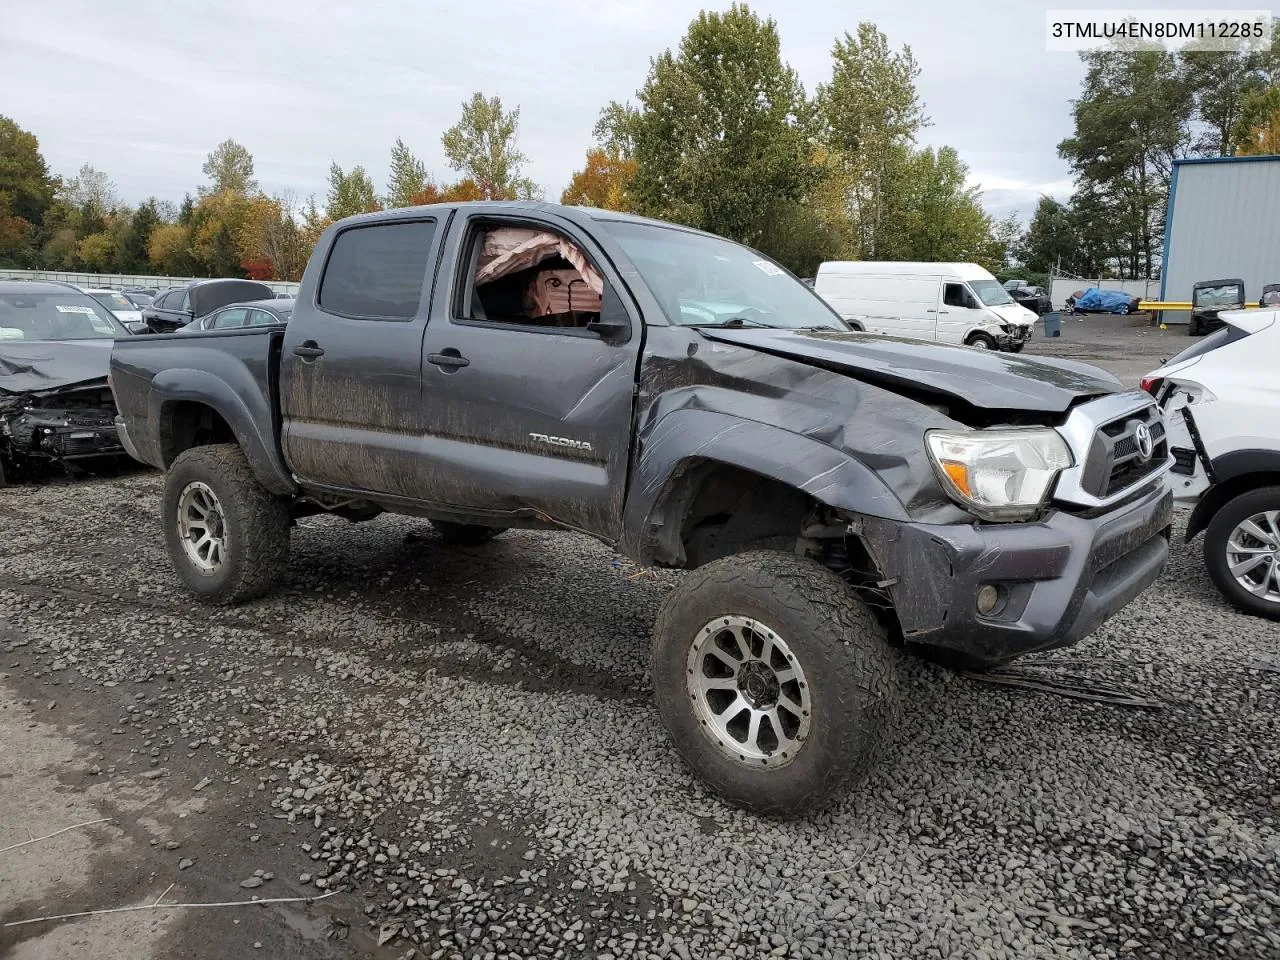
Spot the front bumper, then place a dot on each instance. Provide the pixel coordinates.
(1059, 579)
(60, 435)
(1013, 334)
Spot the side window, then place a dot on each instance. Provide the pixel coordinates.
(377, 272)
(954, 295)
(159, 301)
(532, 277)
(260, 318)
(180, 304)
(229, 319)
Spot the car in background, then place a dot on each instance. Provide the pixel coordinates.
(285, 296)
(1032, 297)
(238, 316)
(178, 306)
(137, 298)
(55, 403)
(1209, 299)
(121, 306)
(1221, 404)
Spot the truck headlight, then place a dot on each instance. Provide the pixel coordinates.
(1002, 474)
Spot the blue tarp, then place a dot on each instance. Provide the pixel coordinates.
(1095, 300)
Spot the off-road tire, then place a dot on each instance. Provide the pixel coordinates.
(465, 534)
(1016, 347)
(257, 525)
(1215, 549)
(852, 677)
(982, 341)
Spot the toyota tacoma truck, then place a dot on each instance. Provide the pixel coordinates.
(693, 405)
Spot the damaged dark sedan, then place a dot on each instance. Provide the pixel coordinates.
(55, 405)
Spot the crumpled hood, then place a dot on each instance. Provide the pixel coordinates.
(40, 365)
(983, 378)
(1014, 313)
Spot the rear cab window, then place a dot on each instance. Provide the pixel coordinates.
(377, 272)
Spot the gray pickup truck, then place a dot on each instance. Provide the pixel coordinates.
(691, 404)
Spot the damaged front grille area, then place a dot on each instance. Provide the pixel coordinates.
(1119, 444)
(58, 427)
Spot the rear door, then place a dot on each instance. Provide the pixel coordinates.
(350, 372)
(525, 408)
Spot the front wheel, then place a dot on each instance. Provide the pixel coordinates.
(776, 684)
(981, 341)
(1242, 551)
(1193, 327)
(1017, 347)
(226, 535)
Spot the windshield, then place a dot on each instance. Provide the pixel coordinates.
(56, 316)
(1224, 295)
(990, 292)
(706, 280)
(113, 300)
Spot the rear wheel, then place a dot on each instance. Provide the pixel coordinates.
(776, 684)
(226, 535)
(981, 341)
(1242, 551)
(465, 534)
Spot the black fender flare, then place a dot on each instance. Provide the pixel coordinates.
(689, 436)
(1231, 473)
(243, 410)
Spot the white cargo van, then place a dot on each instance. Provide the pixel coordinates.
(947, 302)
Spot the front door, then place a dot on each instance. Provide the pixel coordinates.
(350, 381)
(958, 312)
(526, 408)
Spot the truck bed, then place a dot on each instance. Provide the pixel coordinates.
(241, 368)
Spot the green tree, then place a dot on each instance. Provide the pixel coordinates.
(349, 193)
(229, 167)
(408, 176)
(95, 252)
(89, 196)
(1132, 121)
(131, 253)
(942, 218)
(720, 136)
(869, 116)
(482, 145)
(26, 189)
(1051, 240)
(168, 250)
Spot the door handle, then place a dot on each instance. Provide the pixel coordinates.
(448, 359)
(944, 311)
(308, 350)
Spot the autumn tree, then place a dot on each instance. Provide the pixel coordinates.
(167, 249)
(350, 193)
(605, 182)
(91, 194)
(229, 167)
(408, 176)
(482, 146)
(1257, 129)
(718, 136)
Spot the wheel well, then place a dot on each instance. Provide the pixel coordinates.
(188, 424)
(1220, 494)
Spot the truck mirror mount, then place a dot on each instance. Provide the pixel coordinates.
(613, 325)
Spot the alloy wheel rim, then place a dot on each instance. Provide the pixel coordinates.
(1253, 555)
(202, 527)
(749, 691)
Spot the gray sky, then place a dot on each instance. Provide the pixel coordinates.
(144, 89)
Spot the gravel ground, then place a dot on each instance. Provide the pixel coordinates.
(461, 741)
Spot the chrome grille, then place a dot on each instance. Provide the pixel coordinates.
(1109, 464)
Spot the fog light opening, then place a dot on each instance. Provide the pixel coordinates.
(991, 599)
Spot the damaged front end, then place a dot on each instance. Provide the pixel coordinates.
(60, 426)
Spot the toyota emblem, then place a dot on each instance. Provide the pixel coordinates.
(1146, 446)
